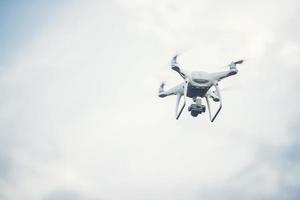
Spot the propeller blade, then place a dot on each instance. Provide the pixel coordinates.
(174, 60)
(239, 62)
(176, 68)
(235, 63)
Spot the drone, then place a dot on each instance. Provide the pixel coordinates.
(198, 85)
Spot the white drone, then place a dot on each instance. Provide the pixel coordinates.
(197, 85)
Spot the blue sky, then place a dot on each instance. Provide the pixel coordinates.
(21, 21)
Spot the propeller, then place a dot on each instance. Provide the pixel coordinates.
(239, 62)
(174, 63)
(174, 58)
(235, 63)
(162, 85)
(175, 67)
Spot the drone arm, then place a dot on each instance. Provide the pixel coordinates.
(178, 89)
(232, 71)
(220, 104)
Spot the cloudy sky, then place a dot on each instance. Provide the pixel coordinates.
(79, 112)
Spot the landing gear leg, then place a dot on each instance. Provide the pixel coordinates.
(212, 118)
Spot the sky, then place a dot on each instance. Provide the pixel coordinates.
(80, 117)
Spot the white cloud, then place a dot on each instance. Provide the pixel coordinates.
(79, 109)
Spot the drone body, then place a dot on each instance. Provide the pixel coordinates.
(197, 85)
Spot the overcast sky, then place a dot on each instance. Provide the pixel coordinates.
(80, 118)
